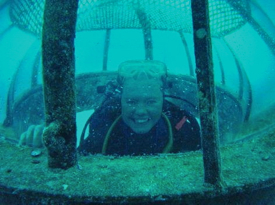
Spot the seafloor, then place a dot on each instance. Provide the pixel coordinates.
(245, 166)
(248, 172)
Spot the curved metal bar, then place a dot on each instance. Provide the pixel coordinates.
(35, 69)
(243, 76)
(270, 42)
(147, 34)
(250, 99)
(106, 49)
(2, 34)
(254, 3)
(3, 4)
(241, 81)
(10, 100)
(220, 64)
(184, 42)
(239, 69)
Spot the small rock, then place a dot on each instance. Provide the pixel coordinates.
(265, 158)
(78, 166)
(65, 186)
(36, 152)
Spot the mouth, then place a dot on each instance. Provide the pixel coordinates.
(141, 121)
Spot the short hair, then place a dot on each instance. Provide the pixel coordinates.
(142, 69)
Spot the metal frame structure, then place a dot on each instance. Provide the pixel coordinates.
(205, 83)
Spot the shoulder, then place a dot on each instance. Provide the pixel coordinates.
(99, 123)
(175, 112)
(186, 128)
(108, 111)
(104, 116)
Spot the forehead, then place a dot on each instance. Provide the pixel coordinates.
(154, 83)
(145, 87)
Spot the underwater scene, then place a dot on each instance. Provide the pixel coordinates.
(137, 102)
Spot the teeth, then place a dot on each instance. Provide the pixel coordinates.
(141, 121)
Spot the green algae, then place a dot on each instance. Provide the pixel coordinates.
(161, 178)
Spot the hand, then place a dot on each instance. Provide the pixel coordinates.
(32, 137)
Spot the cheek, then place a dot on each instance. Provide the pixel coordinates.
(156, 110)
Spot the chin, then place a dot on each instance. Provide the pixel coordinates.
(141, 131)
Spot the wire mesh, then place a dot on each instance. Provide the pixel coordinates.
(172, 15)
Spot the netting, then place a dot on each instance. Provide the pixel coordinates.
(172, 15)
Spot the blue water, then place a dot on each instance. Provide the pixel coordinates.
(19, 48)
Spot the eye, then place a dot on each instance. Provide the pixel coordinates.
(131, 102)
(151, 102)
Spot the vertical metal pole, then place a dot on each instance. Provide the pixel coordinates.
(206, 92)
(59, 82)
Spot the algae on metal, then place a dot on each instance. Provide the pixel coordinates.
(59, 82)
(206, 92)
(248, 169)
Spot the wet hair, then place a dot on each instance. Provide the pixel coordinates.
(142, 69)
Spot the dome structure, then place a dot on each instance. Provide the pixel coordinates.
(109, 32)
(141, 24)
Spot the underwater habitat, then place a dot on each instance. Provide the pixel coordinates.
(137, 102)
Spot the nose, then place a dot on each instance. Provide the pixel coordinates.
(140, 109)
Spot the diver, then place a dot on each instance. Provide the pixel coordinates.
(137, 120)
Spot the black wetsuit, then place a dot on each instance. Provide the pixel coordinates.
(123, 141)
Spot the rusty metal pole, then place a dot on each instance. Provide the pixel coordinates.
(206, 92)
(59, 82)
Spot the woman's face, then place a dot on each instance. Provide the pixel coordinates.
(141, 103)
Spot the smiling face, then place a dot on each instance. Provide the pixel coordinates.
(141, 103)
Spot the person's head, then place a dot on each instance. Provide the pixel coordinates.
(142, 85)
